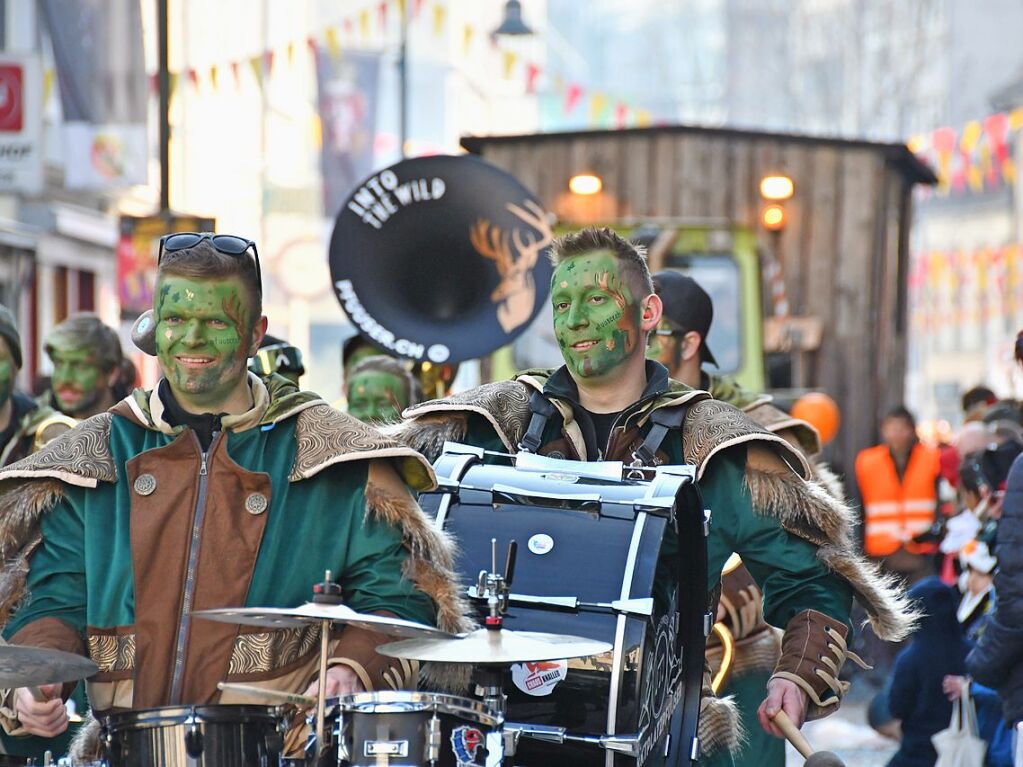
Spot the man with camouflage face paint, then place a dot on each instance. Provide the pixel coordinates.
(218, 488)
(767, 505)
(88, 371)
(379, 389)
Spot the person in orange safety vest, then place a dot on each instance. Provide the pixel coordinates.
(898, 483)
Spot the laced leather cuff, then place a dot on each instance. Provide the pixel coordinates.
(813, 650)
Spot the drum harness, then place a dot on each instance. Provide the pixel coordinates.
(695, 622)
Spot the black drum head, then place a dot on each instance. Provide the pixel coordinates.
(441, 259)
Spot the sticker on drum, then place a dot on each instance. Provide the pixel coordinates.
(539, 678)
(465, 742)
(541, 544)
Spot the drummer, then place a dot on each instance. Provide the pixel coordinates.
(215, 489)
(767, 506)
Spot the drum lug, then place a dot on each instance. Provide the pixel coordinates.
(434, 739)
(193, 742)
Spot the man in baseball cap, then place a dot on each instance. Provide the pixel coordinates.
(680, 341)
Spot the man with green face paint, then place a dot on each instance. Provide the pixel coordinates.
(767, 506)
(217, 488)
(379, 389)
(23, 422)
(89, 371)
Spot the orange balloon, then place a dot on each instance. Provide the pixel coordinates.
(821, 412)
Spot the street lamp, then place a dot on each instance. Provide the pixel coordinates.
(512, 24)
(585, 183)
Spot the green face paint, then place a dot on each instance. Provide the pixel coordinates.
(596, 317)
(376, 397)
(78, 380)
(203, 338)
(7, 373)
(664, 349)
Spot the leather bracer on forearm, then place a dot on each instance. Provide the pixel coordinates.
(813, 651)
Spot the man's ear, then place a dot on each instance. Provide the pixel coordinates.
(652, 310)
(258, 331)
(689, 345)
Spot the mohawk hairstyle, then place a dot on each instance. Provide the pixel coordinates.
(590, 240)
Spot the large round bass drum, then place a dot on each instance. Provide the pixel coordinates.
(600, 547)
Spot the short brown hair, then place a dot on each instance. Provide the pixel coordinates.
(632, 257)
(204, 262)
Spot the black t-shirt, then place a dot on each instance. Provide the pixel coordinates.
(602, 423)
(203, 424)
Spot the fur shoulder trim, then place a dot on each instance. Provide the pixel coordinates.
(80, 456)
(712, 426)
(721, 729)
(325, 437)
(807, 509)
(504, 405)
(430, 564)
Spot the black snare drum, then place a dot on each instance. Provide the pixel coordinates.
(194, 736)
(409, 729)
(599, 558)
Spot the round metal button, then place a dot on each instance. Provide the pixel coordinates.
(145, 484)
(255, 503)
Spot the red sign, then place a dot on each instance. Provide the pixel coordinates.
(11, 98)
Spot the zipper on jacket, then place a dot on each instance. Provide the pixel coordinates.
(185, 618)
(626, 415)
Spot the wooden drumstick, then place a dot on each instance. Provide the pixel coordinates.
(792, 733)
(273, 696)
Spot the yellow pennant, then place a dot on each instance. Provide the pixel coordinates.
(439, 12)
(256, 62)
(467, 34)
(48, 78)
(333, 44)
(597, 103)
(213, 76)
(509, 58)
(364, 23)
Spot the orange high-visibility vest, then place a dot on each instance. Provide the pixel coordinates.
(896, 511)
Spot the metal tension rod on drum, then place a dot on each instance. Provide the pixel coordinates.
(643, 606)
(620, 744)
(329, 593)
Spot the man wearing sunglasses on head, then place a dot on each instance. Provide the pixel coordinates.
(217, 488)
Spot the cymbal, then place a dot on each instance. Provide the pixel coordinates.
(501, 647)
(314, 612)
(22, 666)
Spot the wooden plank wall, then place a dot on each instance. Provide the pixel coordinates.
(840, 250)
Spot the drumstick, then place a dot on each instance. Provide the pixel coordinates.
(792, 734)
(273, 696)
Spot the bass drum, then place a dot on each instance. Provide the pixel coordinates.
(584, 533)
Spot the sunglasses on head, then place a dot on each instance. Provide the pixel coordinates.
(228, 244)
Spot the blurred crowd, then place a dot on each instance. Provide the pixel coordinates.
(948, 518)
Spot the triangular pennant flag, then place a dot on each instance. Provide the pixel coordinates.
(467, 34)
(237, 77)
(213, 76)
(509, 58)
(50, 74)
(401, 9)
(417, 7)
(364, 23)
(439, 12)
(268, 62)
(621, 115)
(256, 64)
(193, 77)
(348, 26)
(382, 14)
(642, 118)
(532, 73)
(572, 95)
(291, 54)
(311, 43)
(333, 44)
(597, 103)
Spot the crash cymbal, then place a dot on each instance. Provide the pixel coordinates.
(488, 647)
(33, 666)
(314, 612)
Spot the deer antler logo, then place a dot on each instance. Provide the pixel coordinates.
(516, 292)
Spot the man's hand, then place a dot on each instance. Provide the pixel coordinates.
(953, 686)
(782, 695)
(47, 718)
(341, 680)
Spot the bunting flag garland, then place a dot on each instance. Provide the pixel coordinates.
(975, 159)
(369, 25)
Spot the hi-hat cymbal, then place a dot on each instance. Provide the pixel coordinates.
(500, 647)
(314, 612)
(22, 666)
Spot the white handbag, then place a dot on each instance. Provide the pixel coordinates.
(959, 744)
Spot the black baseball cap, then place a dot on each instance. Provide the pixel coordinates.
(687, 307)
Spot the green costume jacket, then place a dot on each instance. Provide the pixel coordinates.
(767, 506)
(116, 531)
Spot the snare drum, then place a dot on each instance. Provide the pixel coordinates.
(415, 729)
(195, 736)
